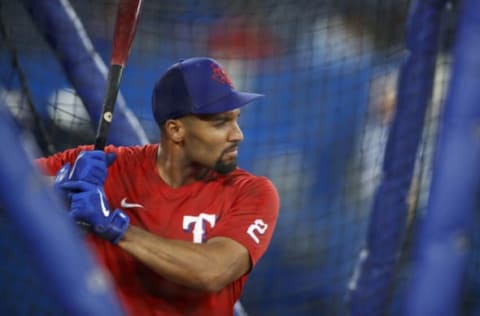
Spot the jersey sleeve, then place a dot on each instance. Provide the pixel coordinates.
(51, 164)
(251, 220)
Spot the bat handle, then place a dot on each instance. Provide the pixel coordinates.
(114, 76)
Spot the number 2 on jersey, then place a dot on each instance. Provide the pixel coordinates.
(259, 227)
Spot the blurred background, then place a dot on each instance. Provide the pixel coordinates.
(329, 70)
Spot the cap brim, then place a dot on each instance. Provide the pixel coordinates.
(234, 100)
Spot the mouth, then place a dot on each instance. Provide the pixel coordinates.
(231, 154)
(231, 151)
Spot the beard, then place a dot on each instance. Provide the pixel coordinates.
(223, 167)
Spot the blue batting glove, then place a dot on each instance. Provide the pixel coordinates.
(92, 207)
(64, 176)
(61, 178)
(91, 166)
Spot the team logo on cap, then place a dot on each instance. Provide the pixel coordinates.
(219, 75)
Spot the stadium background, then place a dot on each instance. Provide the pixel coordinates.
(329, 70)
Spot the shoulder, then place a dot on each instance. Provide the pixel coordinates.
(133, 151)
(242, 177)
(253, 185)
(133, 156)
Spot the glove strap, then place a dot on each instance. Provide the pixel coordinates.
(117, 227)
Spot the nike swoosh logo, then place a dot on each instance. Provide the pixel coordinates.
(105, 211)
(125, 204)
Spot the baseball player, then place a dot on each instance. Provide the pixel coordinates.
(177, 224)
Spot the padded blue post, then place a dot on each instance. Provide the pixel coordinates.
(67, 268)
(371, 286)
(436, 284)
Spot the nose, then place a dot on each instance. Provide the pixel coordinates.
(236, 134)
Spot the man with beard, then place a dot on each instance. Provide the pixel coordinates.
(177, 224)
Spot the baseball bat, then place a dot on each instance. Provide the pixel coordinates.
(125, 28)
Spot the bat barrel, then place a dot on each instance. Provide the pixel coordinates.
(125, 29)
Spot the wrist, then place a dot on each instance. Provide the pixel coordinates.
(115, 228)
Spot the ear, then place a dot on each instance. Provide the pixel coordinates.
(175, 130)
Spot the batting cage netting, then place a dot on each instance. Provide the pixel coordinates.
(369, 130)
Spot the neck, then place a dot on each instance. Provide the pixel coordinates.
(176, 170)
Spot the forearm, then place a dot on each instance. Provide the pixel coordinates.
(193, 265)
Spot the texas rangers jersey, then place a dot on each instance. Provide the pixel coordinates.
(238, 205)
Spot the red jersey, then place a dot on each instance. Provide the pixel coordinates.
(238, 205)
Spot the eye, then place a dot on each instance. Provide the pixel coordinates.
(219, 123)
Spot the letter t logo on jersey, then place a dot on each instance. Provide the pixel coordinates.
(198, 223)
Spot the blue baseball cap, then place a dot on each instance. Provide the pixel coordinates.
(196, 85)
